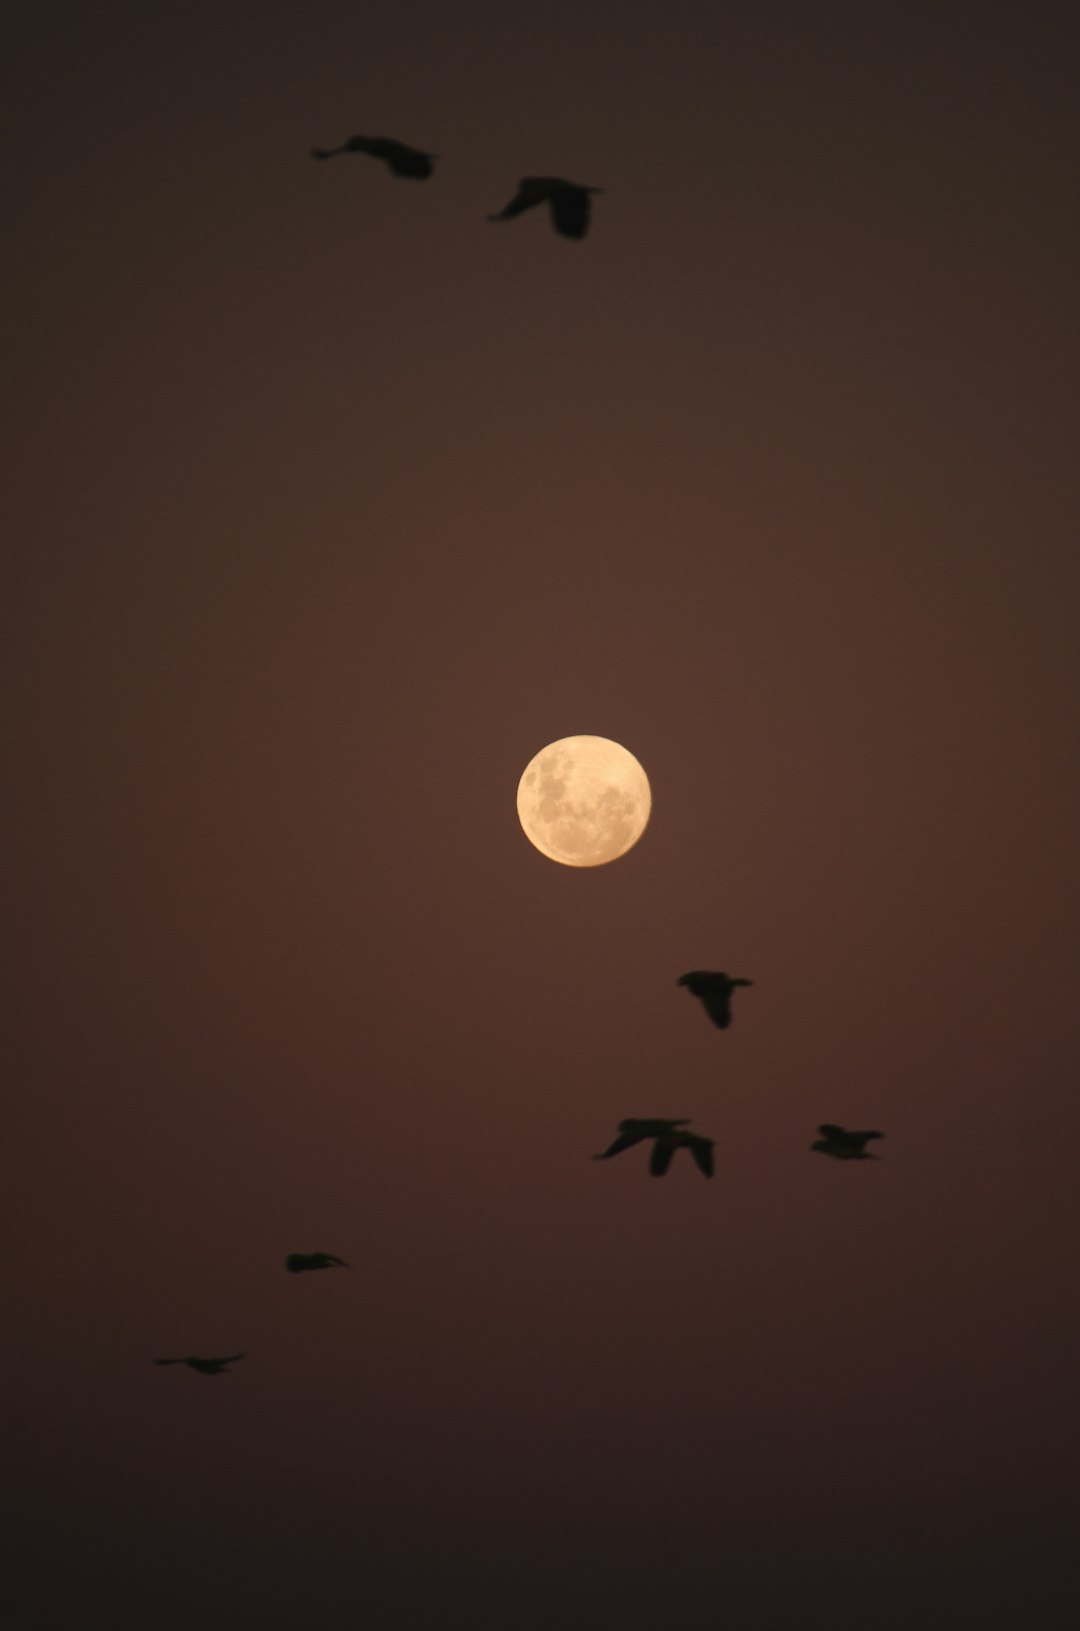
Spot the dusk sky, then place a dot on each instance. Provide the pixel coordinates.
(331, 503)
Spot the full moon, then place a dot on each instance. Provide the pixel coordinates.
(583, 801)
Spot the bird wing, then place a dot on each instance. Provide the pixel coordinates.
(717, 1002)
(570, 211)
(702, 1151)
(355, 144)
(623, 1142)
(660, 1159)
(402, 159)
(520, 202)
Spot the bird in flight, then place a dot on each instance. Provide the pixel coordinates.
(715, 992)
(297, 1262)
(845, 1146)
(668, 1136)
(404, 161)
(569, 203)
(205, 1367)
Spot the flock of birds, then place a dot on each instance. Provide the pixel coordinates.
(296, 1263)
(569, 203)
(714, 989)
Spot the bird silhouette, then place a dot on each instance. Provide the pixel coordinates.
(298, 1262)
(715, 992)
(205, 1367)
(404, 161)
(569, 203)
(844, 1145)
(668, 1138)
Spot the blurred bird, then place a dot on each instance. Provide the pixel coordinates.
(668, 1138)
(845, 1146)
(569, 203)
(404, 161)
(297, 1262)
(205, 1367)
(715, 992)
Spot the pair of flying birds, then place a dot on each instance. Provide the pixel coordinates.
(669, 1136)
(569, 203)
(296, 1263)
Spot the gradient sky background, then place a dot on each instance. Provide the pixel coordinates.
(332, 504)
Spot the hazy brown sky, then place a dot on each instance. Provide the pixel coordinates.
(331, 504)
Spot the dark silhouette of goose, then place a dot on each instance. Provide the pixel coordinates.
(844, 1145)
(569, 203)
(299, 1262)
(715, 992)
(404, 161)
(205, 1367)
(668, 1136)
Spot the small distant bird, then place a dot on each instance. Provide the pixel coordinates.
(569, 203)
(668, 1137)
(715, 992)
(845, 1146)
(298, 1262)
(205, 1367)
(404, 161)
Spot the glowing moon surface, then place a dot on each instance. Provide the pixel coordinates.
(583, 801)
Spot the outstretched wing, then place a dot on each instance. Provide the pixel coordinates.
(402, 159)
(521, 201)
(623, 1142)
(662, 1152)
